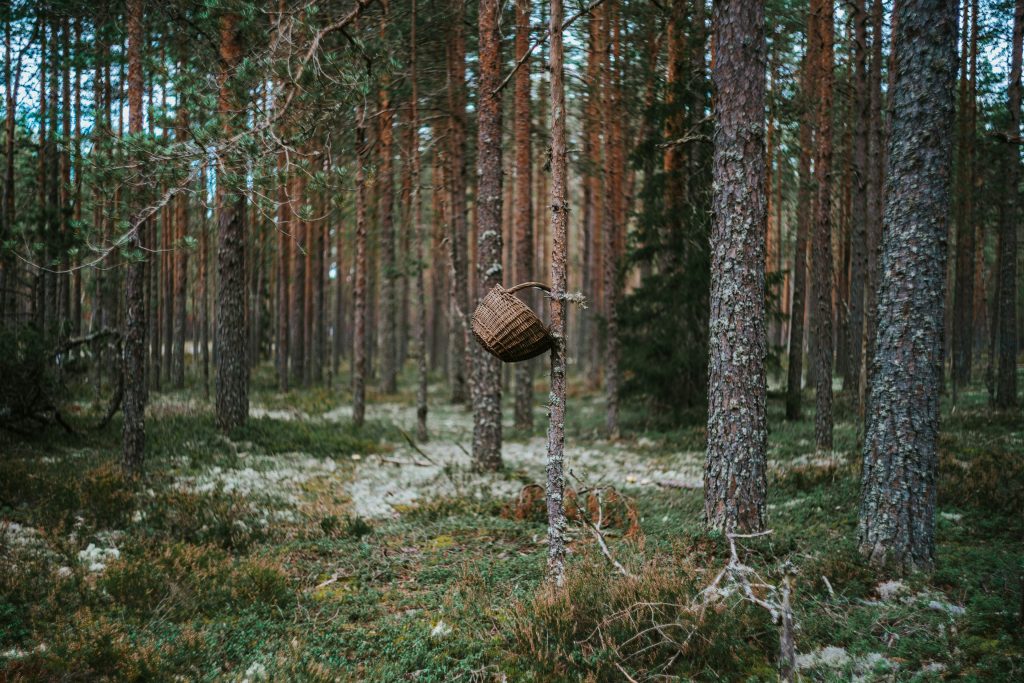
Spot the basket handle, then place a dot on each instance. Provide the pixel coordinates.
(538, 285)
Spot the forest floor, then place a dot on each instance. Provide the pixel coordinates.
(300, 548)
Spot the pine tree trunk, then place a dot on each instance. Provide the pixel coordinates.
(284, 240)
(875, 190)
(486, 383)
(458, 236)
(804, 213)
(297, 334)
(386, 223)
(734, 474)
(203, 292)
(180, 269)
(7, 268)
(559, 281)
(859, 209)
(523, 202)
(611, 228)
(361, 266)
(232, 339)
(134, 347)
(417, 224)
(821, 247)
(897, 513)
(1006, 290)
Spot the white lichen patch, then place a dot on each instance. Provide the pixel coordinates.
(96, 558)
(258, 412)
(837, 658)
(279, 477)
(382, 487)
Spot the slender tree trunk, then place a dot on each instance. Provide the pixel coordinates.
(299, 226)
(76, 278)
(203, 291)
(180, 269)
(559, 283)
(386, 222)
(284, 240)
(458, 232)
(1006, 290)
(875, 192)
(611, 226)
(134, 346)
(804, 212)
(897, 513)
(486, 384)
(523, 201)
(734, 474)
(359, 311)
(232, 341)
(859, 199)
(7, 276)
(417, 208)
(822, 242)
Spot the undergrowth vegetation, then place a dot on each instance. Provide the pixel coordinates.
(240, 557)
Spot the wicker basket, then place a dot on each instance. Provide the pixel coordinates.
(507, 327)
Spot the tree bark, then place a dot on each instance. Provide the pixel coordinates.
(523, 201)
(417, 207)
(804, 212)
(180, 268)
(610, 224)
(386, 222)
(555, 491)
(134, 347)
(486, 384)
(821, 247)
(297, 334)
(361, 266)
(232, 340)
(875, 192)
(897, 512)
(458, 236)
(1006, 290)
(735, 470)
(859, 209)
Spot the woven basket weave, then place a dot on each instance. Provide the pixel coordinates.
(507, 327)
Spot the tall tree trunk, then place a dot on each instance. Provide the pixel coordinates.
(897, 513)
(610, 225)
(523, 201)
(232, 341)
(963, 291)
(821, 248)
(486, 384)
(7, 277)
(361, 262)
(458, 236)
(180, 268)
(1006, 290)
(300, 227)
(804, 213)
(734, 474)
(134, 347)
(284, 240)
(875, 192)
(417, 223)
(203, 291)
(859, 209)
(386, 222)
(559, 282)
